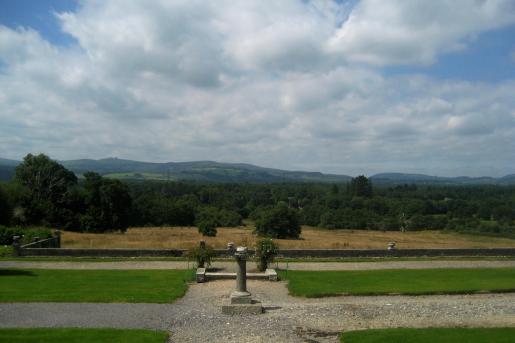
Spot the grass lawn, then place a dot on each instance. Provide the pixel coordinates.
(94, 259)
(461, 335)
(81, 335)
(403, 281)
(133, 286)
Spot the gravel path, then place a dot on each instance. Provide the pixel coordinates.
(197, 317)
(230, 265)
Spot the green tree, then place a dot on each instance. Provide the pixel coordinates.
(279, 222)
(207, 227)
(47, 183)
(229, 218)
(207, 221)
(6, 208)
(108, 204)
(360, 186)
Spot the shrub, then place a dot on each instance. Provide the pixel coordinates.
(6, 234)
(280, 222)
(207, 227)
(30, 234)
(209, 218)
(6, 251)
(266, 250)
(202, 256)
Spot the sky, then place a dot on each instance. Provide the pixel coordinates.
(345, 87)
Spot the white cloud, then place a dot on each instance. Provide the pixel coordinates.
(274, 84)
(415, 32)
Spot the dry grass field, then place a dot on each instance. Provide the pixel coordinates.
(186, 237)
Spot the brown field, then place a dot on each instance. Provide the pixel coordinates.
(186, 237)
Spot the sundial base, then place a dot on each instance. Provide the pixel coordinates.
(238, 309)
(241, 298)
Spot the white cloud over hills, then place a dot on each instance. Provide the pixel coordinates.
(288, 84)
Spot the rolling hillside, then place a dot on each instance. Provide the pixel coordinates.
(210, 171)
(195, 171)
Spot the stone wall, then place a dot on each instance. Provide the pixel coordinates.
(52, 242)
(297, 253)
(102, 252)
(335, 253)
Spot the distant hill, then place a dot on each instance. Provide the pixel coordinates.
(7, 168)
(6, 172)
(7, 162)
(198, 171)
(401, 178)
(210, 171)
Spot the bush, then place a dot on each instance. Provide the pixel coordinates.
(202, 256)
(266, 250)
(208, 218)
(5, 207)
(207, 228)
(27, 235)
(6, 251)
(280, 222)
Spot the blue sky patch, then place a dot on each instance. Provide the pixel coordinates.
(488, 59)
(38, 15)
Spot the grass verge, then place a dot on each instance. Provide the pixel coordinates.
(94, 259)
(314, 284)
(431, 335)
(82, 336)
(107, 286)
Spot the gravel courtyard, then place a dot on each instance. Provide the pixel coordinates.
(231, 265)
(197, 317)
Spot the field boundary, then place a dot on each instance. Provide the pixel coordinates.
(287, 253)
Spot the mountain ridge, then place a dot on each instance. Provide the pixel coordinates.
(212, 171)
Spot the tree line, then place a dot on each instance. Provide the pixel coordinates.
(44, 193)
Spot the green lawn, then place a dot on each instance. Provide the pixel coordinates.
(90, 259)
(462, 335)
(403, 281)
(81, 335)
(133, 286)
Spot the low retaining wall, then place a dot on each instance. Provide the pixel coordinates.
(294, 253)
(52, 242)
(335, 253)
(103, 252)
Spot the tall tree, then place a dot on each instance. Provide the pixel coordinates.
(279, 222)
(108, 204)
(46, 182)
(360, 186)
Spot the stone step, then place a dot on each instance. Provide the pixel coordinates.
(203, 275)
(225, 276)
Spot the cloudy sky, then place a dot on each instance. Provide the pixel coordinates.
(345, 87)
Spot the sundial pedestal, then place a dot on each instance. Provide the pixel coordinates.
(241, 301)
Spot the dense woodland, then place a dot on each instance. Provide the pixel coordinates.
(45, 193)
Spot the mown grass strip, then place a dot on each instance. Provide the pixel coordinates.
(82, 336)
(431, 335)
(314, 284)
(131, 286)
